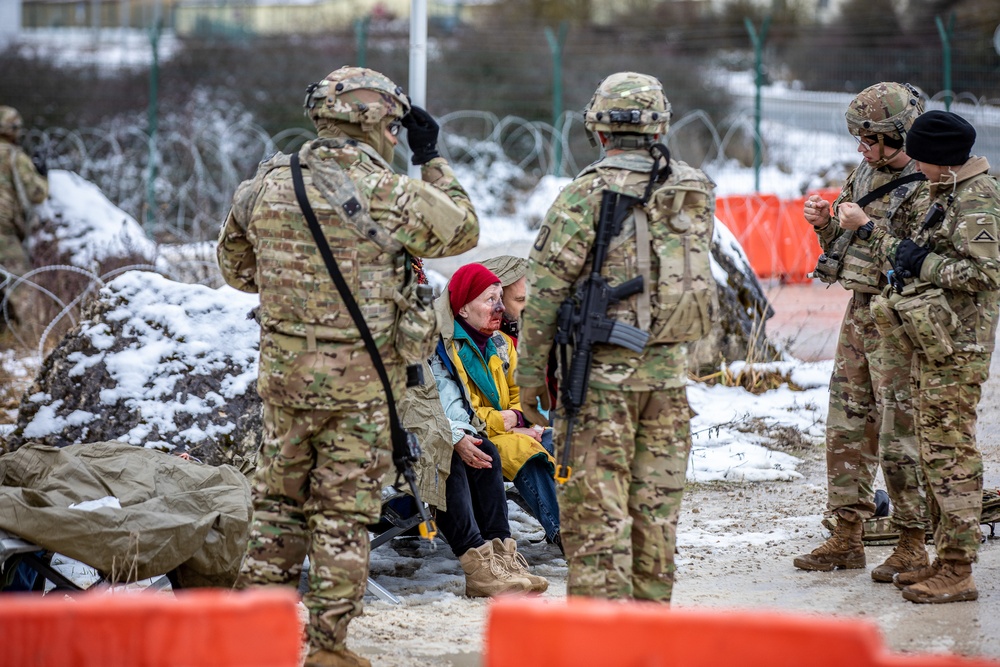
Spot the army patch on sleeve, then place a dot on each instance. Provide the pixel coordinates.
(984, 237)
(542, 239)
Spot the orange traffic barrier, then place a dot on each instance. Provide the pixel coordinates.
(200, 628)
(579, 632)
(774, 234)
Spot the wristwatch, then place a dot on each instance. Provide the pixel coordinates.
(865, 231)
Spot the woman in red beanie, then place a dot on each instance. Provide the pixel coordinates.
(474, 370)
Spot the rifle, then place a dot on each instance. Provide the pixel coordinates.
(583, 319)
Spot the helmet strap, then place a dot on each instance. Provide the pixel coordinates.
(883, 158)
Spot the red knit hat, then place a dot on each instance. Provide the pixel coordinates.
(469, 282)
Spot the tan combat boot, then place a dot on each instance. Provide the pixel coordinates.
(486, 576)
(904, 579)
(342, 658)
(506, 550)
(908, 555)
(953, 583)
(843, 551)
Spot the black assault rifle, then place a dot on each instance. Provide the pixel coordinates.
(583, 319)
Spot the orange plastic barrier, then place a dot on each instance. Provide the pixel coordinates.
(203, 628)
(774, 234)
(525, 632)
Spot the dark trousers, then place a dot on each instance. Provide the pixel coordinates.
(477, 503)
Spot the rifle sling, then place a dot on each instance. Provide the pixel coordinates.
(399, 445)
(644, 315)
(889, 187)
(880, 191)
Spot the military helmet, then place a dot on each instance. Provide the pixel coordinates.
(628, 102)
(356, 95)
(10, 122)
(886, 108)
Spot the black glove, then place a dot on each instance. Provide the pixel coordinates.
(38, 159)
(422, 135)
(910, 257)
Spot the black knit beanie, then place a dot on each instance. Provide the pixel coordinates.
(941, 138)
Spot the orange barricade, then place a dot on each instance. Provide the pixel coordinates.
(579, 632)
(201, 628)
(775, 236)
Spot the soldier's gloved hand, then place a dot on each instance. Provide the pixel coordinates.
(910, 257)
(421, 134)
(530, 398)
(38, 159)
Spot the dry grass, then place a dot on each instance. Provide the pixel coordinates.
(755, 376)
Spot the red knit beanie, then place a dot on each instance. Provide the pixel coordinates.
(469, 282)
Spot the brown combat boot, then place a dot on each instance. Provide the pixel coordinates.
(342, 658)
(506, 550)
(909, 554)
(904, 579)
(485, 575)
(953, 583)
(843, 551)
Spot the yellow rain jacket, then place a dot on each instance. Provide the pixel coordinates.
(516, 449)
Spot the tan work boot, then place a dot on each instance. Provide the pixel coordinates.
(842, 551)
(342, 658)
(485, 575)
(904, 579)
(953, 583)
(909, 554)
(506, 550)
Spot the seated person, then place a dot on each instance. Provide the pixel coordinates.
(483, 359)
(475, 523)
(512, 272)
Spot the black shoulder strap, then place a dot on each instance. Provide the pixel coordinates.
(400, 445)
(889, 187)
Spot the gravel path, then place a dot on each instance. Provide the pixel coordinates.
(736, 545)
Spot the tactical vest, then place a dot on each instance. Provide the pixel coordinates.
(666, 241)
(302, 299)
(860, 271)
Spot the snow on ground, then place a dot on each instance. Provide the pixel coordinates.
(90, 228)
(174, 330)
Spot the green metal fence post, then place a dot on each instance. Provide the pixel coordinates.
(945, 34)
(361, 37)
(153, 123)
(556, 46)
(758, 52)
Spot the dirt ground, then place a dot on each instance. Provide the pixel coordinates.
(737, 542)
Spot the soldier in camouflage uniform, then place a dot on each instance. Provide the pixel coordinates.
(23, 183)
(619, 508)
(870, 410)
(326, 431)
(947, 311)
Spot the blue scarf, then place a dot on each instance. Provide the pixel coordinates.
(476, 366)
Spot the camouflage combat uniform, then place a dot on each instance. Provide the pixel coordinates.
(326, 443)
(20, 186)
(870, 409)
(619, 508)
(965, 263)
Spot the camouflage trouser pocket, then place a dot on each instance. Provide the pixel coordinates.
(929, 321)
(889, 326)
(416, 333)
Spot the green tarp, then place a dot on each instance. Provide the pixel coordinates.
(175, 514)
